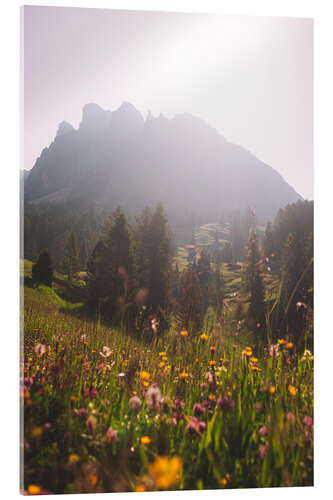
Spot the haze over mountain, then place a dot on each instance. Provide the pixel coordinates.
(120, 158)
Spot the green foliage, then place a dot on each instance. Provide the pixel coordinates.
(254, 285)
(70, 262)
(111, 270)
(190, 306)
(42, 271)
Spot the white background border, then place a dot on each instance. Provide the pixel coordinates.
(321, 11)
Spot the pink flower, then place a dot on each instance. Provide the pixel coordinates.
(263, 431)
(308, 421)
(198, 409)
(90, 393)
(263, 450)
(290, 418)
(111, 435)
(81, 412)
(179, 405)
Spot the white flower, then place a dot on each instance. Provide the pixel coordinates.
(106, 352)
(40, 348)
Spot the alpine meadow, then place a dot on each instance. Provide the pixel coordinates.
(167, 271)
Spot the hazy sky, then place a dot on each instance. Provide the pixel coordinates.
(249, 77)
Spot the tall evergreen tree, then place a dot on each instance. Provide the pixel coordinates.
(203, 271)
(111, 270)
(190, 307)
(70, 263)
(153, 251)
(42, 271)
(254, 284)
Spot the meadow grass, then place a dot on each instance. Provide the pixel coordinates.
(216, 411)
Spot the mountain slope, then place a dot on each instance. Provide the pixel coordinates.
(120, 158)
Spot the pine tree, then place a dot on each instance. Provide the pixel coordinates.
(42, 271)
(254, 285)
(190, 307)
(70, 263)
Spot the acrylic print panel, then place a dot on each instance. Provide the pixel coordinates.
(168, 251)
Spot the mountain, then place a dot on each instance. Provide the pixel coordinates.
(120, 158)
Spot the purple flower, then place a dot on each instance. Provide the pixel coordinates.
(202, 426)
(179, 405)
(195, 427)
(111, 435)
(192, 426)
(198, 409)
(135, 403)
(225, 404)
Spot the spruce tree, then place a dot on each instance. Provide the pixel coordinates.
(190, 306)
(153, 253)
(42, 271)
(111, 270)
(254, 285)
(70, 263)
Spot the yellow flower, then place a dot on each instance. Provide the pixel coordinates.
(145, 375)
(72, 398)
(162, 353)
(272, 389)
(165, 471)
(145, 440)
(212, 348)
(223, 482)
(254, 368)
(203, 337)
(73, 458)
(290, 345)
(184, 333)
(93, 478)
(254, 360)
(229, 394)
(281, 341)
(140, 488)
(134, 393)
(34, 490)
(235, 346)
(145, 384)
(212, 363)
(228, 477)
(292, 390)
(211, 397)
(37, 432)
(165, 358)
(196, 360)
(162, 363)
(183, 375)
(258, 325)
